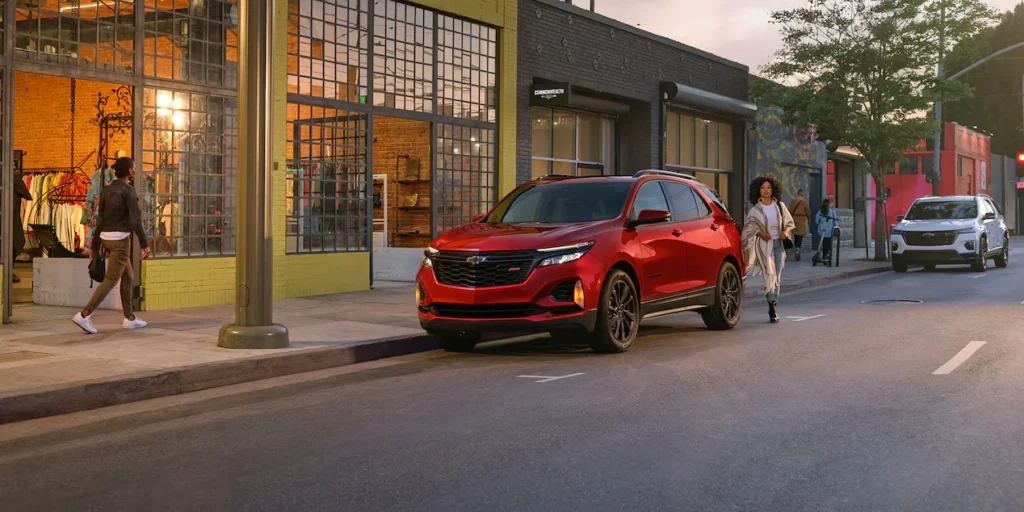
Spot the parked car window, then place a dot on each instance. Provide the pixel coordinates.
(715, 196)
(993, 207)
(685, 205)
(650, 197)
(943, 210)
(562, 202)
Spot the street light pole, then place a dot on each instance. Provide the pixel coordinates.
(254, 325)
(936, 157)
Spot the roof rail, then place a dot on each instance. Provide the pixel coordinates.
(555, 177)
(660, 172)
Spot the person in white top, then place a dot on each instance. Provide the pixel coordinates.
(768, 224)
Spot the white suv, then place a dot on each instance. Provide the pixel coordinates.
(950, 230)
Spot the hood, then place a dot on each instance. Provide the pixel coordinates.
(517, 237)
(936, 225)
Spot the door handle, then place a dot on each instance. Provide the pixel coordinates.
(677, 233)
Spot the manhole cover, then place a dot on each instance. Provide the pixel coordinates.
(891, 302)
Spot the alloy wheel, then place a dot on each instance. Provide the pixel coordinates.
(731, 290)
(622, 316)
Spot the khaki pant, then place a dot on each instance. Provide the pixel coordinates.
(119, 266)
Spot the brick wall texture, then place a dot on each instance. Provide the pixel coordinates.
(563, 43)
(393, 137)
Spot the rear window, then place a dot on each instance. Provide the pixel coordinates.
(943, 210)
(717, 199)
(562, 202)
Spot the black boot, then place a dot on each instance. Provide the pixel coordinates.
(773, 315)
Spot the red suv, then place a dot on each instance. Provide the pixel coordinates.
(584, 256)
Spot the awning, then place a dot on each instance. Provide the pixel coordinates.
(687, 96)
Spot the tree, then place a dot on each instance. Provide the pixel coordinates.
(996, 104)
(865, 74)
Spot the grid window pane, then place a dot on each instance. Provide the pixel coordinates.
(403, 48)
(326, 180)
(189, 160)
(564, 135)
(672, 139)
(590, 138)
(192, 41)
(725, 157)
(686, 140)
(466, 177)
(541, 120)
(467, 69)
(97, 35)
(328, 45)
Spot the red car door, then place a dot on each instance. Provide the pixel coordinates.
(663, 251)
(706, 243)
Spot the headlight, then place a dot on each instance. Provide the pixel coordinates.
(568, 253)
(427, 255)
(967, 230)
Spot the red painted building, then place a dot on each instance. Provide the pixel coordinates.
(966, 159)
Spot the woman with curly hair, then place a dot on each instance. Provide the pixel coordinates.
(768, 224)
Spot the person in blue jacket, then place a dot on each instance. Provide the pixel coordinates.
(827, 220)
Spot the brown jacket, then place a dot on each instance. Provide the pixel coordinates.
(801, 215)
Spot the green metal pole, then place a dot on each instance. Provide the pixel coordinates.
(254, 326)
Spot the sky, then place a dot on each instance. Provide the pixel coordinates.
(737, 30)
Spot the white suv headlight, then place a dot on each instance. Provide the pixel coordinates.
(967, 231)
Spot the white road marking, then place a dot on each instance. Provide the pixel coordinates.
(548, 378)
(802, 318)
(959, 359)
(978, 276)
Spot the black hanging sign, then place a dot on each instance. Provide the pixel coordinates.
(550, 94)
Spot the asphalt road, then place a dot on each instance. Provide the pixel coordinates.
(839, 409)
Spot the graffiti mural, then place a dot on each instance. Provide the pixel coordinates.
(786, 152)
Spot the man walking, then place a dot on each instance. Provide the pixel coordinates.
(119, 217)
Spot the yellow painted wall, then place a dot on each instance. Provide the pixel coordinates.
(199, 282)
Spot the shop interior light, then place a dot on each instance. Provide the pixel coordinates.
(163, 99)
(179, 119)
(88, 5)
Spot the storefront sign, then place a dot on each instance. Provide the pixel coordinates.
(550, 94)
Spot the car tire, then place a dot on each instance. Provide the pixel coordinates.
(899, 265)
(981, 263)
(618, 315)
(724, 314)
(929, 268)
(456, 341)
(1003, 260)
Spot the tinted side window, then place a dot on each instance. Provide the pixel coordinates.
(684, 204)
(992, 207)
(649, 197)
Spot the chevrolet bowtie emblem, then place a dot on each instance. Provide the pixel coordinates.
(476, 260)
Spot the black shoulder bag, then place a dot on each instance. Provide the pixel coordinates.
(787, 242)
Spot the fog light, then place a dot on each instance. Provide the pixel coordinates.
(577, 294)
(969, 245)
(895, 247)
(421, 294)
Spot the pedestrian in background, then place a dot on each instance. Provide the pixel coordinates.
(765, 231)
(118, 218)
(801, 212)
(827, 221)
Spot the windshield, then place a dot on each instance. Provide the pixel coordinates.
(563, 202)
(943, 210)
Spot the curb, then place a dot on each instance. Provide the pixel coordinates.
(83, 396)
(822, 280)
(95, 394)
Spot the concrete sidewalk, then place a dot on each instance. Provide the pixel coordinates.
(49, 367)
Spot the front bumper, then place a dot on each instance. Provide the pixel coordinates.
(964, 249)
(522, 308)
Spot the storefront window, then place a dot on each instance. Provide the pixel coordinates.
(467, 174)
(467, 69)
(403, 48)
(570, 143)
(701, 147)
(327, 188)
(93, 34)
(189, 160)
(191, 41)
(328, 43)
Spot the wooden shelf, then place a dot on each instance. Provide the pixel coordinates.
(411, 234)
(412, 182)
(414, 208)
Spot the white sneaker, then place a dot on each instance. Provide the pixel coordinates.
(85, 323)
(138, 323)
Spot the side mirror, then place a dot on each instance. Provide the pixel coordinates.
(478, 218)
(899, 218)
(989, 216)
(650, 217)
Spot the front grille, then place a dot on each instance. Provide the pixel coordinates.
(459, 268)
(930, 239)
(485, 311)
(933, 256)
(563, 292)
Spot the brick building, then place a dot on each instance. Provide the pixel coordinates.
(596, 96)
(362, 89)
